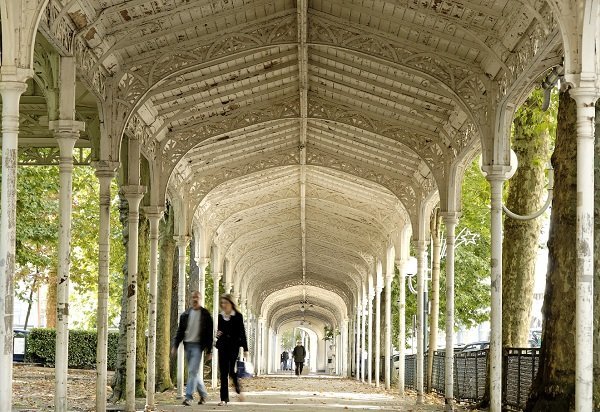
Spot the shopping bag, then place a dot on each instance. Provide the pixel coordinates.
(245, 369)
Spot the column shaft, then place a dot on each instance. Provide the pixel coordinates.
(370, 341)
(154, 214)
(259, 344)
(358, 349)
(215, 358)
(377, 332)
(182, 242)
(388, 330)
(450, 221)
(401, 325)
(105, 172)
(342, 353)
(584, 310)
(134, 195)
(66, 137)
(11, 95)
(434, 302)
(496, 183)
(363, 346)
(421, 273)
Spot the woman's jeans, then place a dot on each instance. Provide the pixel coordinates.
(227, 361)
(193, 354)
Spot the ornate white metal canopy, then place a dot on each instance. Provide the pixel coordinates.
(302, 135)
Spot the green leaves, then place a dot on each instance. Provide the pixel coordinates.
(37, 238)
(41, 344)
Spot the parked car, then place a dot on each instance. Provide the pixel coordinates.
(19, 342)
(474, 347)
(396, 361)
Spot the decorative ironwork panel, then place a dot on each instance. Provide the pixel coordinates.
(520, 367)
(50, 156)
(470, 371)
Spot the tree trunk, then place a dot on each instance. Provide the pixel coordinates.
(554, 387)
(597, 262)
(174, 306)
(521, 238)
(436, 233)
(30, 300)
(165, 292)
(194, 275)
(142, 306)
(118, 383)
(51, 299)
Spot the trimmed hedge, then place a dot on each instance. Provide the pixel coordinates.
(41, 344)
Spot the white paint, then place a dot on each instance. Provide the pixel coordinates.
(584, 308)
(496, 184)
(11, 93)
(378, 289)
(182, 242)
(134, 195)
(154, 215)
(370, 331)
(421, 248)
(215, 359)
(450, 221)
(105, 171)
(67, 133)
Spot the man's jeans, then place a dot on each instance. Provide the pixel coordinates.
(193, 354)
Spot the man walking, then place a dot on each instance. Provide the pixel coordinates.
(299, 354)
(196, 332)
(284, 359)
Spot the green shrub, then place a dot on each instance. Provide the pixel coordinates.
(82, 348)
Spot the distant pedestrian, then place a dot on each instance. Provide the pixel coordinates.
(231, 336)
(299, 355)
(284, 358)
(196, 332)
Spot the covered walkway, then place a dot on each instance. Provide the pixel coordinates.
(302, 145)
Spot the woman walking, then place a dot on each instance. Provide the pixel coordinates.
(231, 336)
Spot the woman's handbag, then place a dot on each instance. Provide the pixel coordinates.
(245, 369)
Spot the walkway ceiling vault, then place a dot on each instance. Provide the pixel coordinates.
(303, 135)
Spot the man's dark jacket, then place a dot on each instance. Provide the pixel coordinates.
(206, 329)
(299, 354)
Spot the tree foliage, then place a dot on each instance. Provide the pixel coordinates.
(37, 241)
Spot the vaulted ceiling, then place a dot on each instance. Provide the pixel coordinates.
(303, 134)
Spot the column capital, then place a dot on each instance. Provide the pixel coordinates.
(585, 96)
(202, 261)
(496, 172)
(105, 168)
(181, 240)
(450, 217)
(217, 276)
(15, 75)
(153, 212)
(133, 192)
(134, 195)
(12, 85)
(66, 127)
(420, 245)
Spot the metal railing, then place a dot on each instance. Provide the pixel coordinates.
(520, 367)
(470, 375)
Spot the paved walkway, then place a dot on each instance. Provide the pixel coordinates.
(308, 393)
(33, 390)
